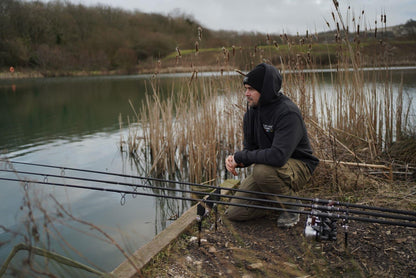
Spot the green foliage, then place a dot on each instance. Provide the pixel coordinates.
(61, 35)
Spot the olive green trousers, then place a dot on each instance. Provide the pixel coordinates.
(284, 180)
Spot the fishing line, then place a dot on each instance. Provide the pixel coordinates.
(145, 194)
(218, 195)
(313, 212)
(267, 195)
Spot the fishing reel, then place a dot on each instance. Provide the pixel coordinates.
(320, 227)
(204, 208)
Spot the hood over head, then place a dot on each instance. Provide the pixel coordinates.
(267, 80)
(255, 78)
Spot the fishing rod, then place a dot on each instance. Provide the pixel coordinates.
(267, 195)
(104, 189)
(321, 222)
(217, 195)
(146, 186)
(316, 213)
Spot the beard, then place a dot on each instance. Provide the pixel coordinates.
(251, 103)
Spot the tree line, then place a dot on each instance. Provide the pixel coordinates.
(60, 36)
(63, 36)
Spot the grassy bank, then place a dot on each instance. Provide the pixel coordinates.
(258, 248)
(321, 55)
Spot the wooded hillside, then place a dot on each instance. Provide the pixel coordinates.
(63, 37)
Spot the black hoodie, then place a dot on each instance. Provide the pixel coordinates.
(274, 131)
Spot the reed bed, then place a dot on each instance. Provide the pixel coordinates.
(362, 109)
(189, 133)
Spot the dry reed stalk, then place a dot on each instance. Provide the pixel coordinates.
(186, 131)
(399, 111)
(358, 110)
(120, 124)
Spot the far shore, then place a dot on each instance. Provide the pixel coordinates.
(188, 71)
(25, 73)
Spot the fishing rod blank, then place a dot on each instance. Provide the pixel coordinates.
(314, 213)
(26, 182)
(315, 200)
(158, 188)
(218, 195)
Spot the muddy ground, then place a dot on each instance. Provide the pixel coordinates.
(260, 249)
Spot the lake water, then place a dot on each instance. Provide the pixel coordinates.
(73, 122)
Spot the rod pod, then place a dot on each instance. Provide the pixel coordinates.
(203, 209)
(320, 228)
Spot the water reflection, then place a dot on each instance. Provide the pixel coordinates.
(76, 127)
(37, 110)
(131, 222)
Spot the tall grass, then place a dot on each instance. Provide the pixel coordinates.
(365, 116)
(190, 133)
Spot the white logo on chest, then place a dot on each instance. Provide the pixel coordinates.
(268, 128)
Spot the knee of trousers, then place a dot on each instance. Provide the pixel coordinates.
(262, 172)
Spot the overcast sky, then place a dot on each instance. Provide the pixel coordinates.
(269, 16)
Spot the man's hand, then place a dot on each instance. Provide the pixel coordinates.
(230, 164)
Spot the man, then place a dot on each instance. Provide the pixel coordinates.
(275, 141)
